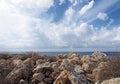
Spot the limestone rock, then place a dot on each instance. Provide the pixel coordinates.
(37, 77)
(78, 69)
(61, 56)
(71, 74)
(62, 79)
(29, 62)
(19, 72)
(40, 67)
(48, 80)
(22, 82)
(17, 62)
(110, 81)
(35, 56)
(72, 55)
(96, 73)
(40, 61)
(91, 62)
(42, 82)
(99, 56)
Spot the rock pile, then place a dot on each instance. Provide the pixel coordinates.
(61, 69)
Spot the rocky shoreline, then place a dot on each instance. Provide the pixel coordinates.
(69, 68)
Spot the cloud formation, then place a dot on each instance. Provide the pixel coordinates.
(23, 25)
(102, 16)
(87, 7)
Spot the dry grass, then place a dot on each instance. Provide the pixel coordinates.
(110, 70)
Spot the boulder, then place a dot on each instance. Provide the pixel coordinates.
(61, 56)
(96, 73)
(40, 61)
(22, 81)
(91, 62)
(72, 75)
(110, 81)
(78, 69)
(19, 72)
(42, 82)
(48, 80)
(62, 79)
(71, 55)
(35, 56)
(29, 62)
(41, 67)
(75, 77)
(17, 62)
(37, 77)
(99, 57)
(6, 67)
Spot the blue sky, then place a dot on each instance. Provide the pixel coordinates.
(84, 25)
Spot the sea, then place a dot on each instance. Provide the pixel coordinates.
(110, 54)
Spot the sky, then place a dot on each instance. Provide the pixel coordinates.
(45, 25)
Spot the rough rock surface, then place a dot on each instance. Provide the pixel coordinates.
(110, 81)
(69, 68)
(73, 76)
(17, 73)
(91, 62)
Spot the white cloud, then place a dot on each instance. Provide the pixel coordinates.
(61, 2)
(87, 7)
(105, 17)
(20, 30)
(75, 2)
(69, 13)
(102, 16)
(16, 26)
(33, 5)
(71, 1)
(102, 6)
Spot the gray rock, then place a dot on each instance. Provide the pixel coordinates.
(110, 81)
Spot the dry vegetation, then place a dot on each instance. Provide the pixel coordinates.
(111, 69)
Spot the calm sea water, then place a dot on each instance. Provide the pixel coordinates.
(111, 54)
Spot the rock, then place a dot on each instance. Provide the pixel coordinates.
(110, 81)
(6, 67)
(96, 73)
(61, 56)
(62, 79)
(61, 69)
(74, 58)
(99, 56)
(78, 69)
(29, 62)
(73, 76)
(48, 80)
(54, 75)
(76, 61)
(37, 77)
(72, 55)
(35, 56)
(22, 82)
(40, 61)
(4, 56)
(91, 62)
(47, 73)
(40, 67)
(107, 70)
(17, 62)
(41, 82)
(19, 72)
